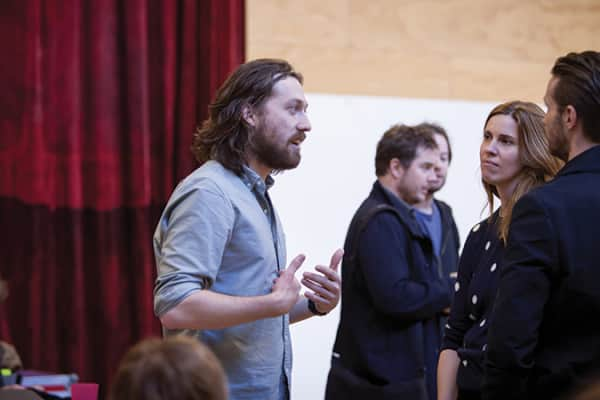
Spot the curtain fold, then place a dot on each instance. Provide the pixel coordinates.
(99, 103)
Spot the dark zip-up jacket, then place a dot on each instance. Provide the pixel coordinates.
(450, 242)
(393, 293)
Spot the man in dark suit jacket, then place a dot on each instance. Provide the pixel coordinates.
(544, 338)
(393, 287)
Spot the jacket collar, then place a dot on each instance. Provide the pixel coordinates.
(445, 214)
(406, 212)
(588, 161)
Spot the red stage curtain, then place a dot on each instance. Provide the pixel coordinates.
(98, 103)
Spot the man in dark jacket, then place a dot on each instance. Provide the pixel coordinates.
(544, 338)
(393, 288)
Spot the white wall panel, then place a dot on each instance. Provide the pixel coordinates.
(317, 200)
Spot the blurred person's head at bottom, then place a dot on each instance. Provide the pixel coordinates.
(175, 368)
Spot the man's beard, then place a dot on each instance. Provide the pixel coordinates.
(557, 141)
(437, 188)
(276, 156)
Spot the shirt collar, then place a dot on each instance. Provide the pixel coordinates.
(253, 181)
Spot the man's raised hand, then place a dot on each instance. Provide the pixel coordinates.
(326, 286)
(286, 288)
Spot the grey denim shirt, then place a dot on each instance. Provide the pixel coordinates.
(220, 232)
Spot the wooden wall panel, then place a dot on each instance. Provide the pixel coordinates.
(453, 49)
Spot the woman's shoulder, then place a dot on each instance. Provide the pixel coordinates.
(485, 224)
(483, 231)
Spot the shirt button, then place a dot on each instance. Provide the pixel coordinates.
(493, 267)
(465, 363)
(456, 287)
(476, 228)
(482, 323)
(474, 299)
(487, 245)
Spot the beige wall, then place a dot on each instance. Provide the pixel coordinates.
(450, 49)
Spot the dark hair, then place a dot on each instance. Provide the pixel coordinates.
(223, 136)
(539, 165)
(401, 142)
(439, 130)
(578, 85)
(178, 367)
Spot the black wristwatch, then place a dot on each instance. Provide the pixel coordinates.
(313, 308)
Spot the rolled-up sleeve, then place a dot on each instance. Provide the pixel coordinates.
(189, 242)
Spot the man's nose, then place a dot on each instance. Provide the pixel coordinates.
(304, 123)
(432, 177)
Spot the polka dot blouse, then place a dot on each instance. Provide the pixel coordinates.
(474, 293)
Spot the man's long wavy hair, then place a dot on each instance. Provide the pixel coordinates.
(224, 135)
(539, 166)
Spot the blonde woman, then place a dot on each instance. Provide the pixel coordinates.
(515, 158)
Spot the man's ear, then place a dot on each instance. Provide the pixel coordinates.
(249, 115)
(396, 168)
(569, 117)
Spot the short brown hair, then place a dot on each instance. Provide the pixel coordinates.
(578, 85)
(401, 142)
(224, 135)
(178, 367)
(438, 130)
